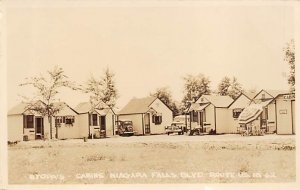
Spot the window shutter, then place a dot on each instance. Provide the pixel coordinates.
(64, 119)
(89, 115)
(153, 118)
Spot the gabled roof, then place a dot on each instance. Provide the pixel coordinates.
(18, 109)
(104, 111)
(273, 93)
(63, 105)
(219, 101)
(197, 107)
(22, 107)
(138, 105)
(85, 107)
(239, 104)
(250, 94)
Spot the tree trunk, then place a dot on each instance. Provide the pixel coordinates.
(56, 131)
(50, 122)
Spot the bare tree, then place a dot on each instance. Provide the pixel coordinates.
(109, 90)
(102, 91)
(47, 88)
(94, 88)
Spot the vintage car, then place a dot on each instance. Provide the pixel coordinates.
(125, 128)
(185, 119)
(176, 127)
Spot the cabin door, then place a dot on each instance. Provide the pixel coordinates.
(264, 119)
(102, 123)
(147, 123)
(39, 128)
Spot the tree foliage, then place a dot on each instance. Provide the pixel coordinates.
(102, 91)
(194, 87)
(289, 58)
(47, 88)
(230, 87)
(235, 88)
(224, 86)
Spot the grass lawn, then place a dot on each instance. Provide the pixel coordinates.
(154, 159)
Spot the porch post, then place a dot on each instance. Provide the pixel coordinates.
(276, 116)
(292, 117)
(143, 124)
(215, 120)
(190, 113)
(56, 131)
(50, 122)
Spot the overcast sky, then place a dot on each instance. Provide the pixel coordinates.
(149, 46)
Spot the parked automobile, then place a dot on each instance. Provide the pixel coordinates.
(176, 127)
(185, 119)
(125, 128)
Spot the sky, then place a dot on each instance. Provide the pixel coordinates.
(148, 47)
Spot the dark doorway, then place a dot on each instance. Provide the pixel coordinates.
(102, 123)
(39, 128)
(147, 123)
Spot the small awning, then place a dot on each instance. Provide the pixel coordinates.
(197, 107)
(152, 111)
(265, 103)
(250, 113)
(102, 112)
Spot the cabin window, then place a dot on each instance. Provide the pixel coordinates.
(59, 120)
(157, 119)
(94, 119)
(69, 120)
(236, 113)
(29, 121)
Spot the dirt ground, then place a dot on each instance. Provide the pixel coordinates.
(154, 159)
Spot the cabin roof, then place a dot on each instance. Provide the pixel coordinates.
(219, 101)
(138, 105)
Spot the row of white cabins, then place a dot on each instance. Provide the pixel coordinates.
(150, 116)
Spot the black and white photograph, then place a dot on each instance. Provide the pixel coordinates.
(103, 93)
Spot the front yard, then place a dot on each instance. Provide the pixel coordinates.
(154, 159)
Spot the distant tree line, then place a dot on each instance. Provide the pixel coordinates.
(196, 86)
